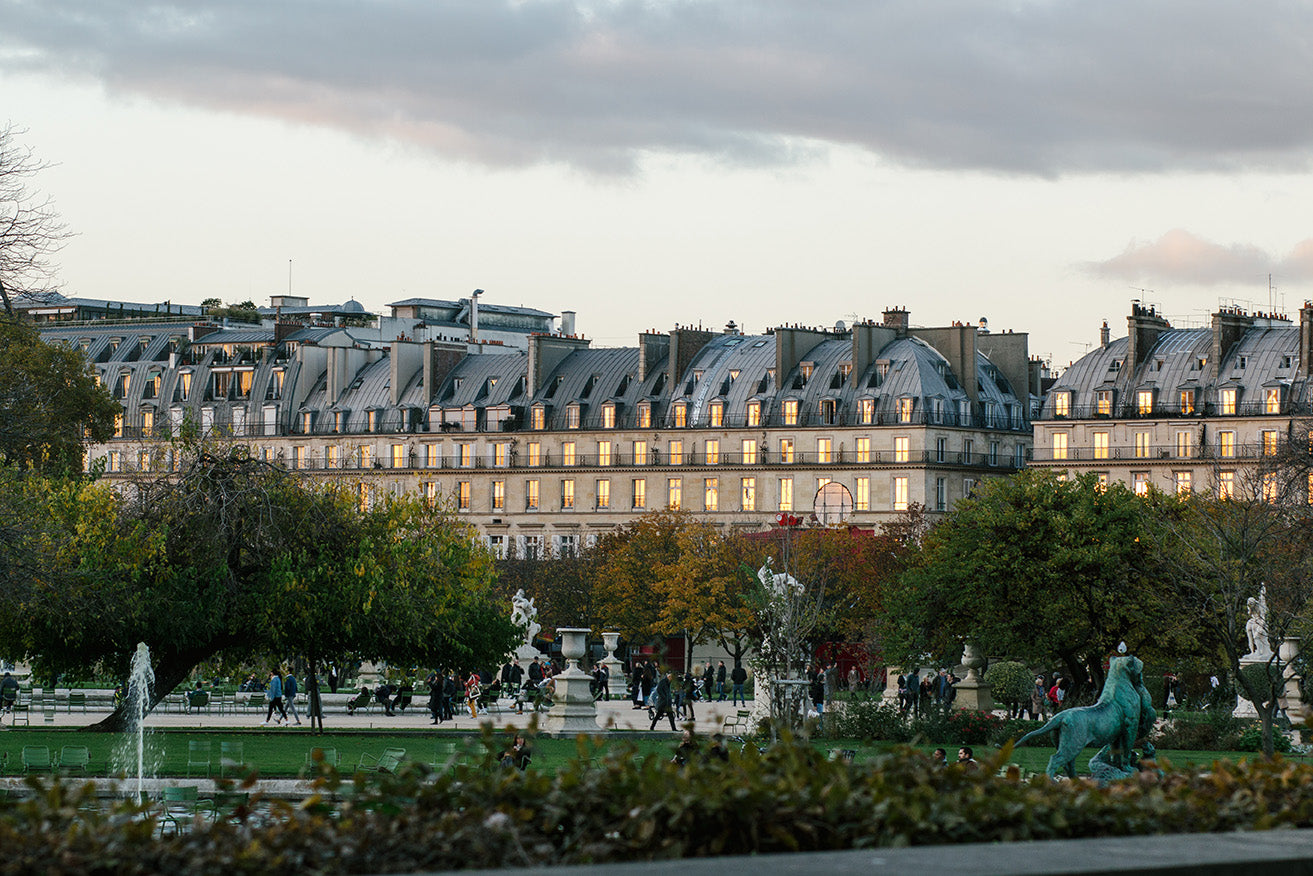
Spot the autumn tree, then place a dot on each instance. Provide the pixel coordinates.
(631, 566)
(708, 592)
(561, 585)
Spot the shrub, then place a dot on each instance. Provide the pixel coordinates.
(1012, 730)
(1251, 739)
(1011, 682)
(865, 717)
(955, 726)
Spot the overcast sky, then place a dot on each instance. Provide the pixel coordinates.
(1036, 162)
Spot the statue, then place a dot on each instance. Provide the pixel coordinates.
(1260, 645)
(524, 614)
(780, 584)
(1122, 715)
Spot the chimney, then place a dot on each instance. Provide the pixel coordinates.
(868, 340)
(1229, 326)
(1144, 325)
(1105, 334)
(653, 348)
(474, 316)
(1306, 340)
(567, 322)
(896, 319)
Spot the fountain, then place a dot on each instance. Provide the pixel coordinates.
(141, 679)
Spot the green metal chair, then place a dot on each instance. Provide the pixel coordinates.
(36, 758)
(388, 762)
(77, 700)
(230, 758)
(180, 805)
(74, 757)
(198, 756)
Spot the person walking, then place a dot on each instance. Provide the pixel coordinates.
(663, 702)
(275, 694)
(472, 691)
(289, 696)
(738, 677)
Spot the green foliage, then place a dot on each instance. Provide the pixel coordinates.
(1264, 680)
(50, 403)
(609, 808)
(1010, 682)
(955, 726)
(869, 718)
(1012, 729)
(1251, 739)
(1215, 730)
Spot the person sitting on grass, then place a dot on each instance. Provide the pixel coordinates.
(687, 749)
(517, 755)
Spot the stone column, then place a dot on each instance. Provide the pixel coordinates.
(615, 679)
(973, 691)
(891, 674)
(1292, 699)
(573, 709)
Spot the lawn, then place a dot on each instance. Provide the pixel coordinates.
(284, 753)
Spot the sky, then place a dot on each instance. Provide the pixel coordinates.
(1038, 163)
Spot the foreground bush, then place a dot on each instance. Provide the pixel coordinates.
(788, 799)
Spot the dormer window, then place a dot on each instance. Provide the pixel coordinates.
(645, 415)
(754, 413)
(806, 369)
(1272, 400)
(1144, 402)
(1187, 402)
(789, 410)
(1062, 404)
(905, 406)
(1227, 400)
(573, 417)
(866, 410)
(608, 416)
(1103, 403)
(717, 415)
(538, 418)
(680, 413)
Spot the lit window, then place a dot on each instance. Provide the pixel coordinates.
(603, 452)
(711, 494)
(143, 460)
(821, 483)
(603, 494)
(640, 453)
(1226, 444)
(866, 408)
(863, 449)
(1142, 445)
(567, 493)
(466, 452)
(463, 495)
(498, 495)
(676, 450)
(786, 494)
(1059, 445)
(645, 416)
(1183, 479)
(608, 417)
(718, 414)
(1269, 486)
(823, 452)
(428, 491)
(1228, 397)
(1185, 444)
(674, 493)
(1100, 445)
(749, 448)
(900, 494)
(1144, 402)
(1272, 400)
(364, 497)
(113, 461)
(572, 417)
(147, 423)
(500, 454)
(1226, 485)
(118, 425)
(366, 455)
(640, 493)
(334, 457)
(748, 496)
(713, 451)
(1187, 401)
(567, 453)
(531, 495)
(1103, 402)
(538, 418)
(681, 416)
(1269, 442)
(754, 413)
(535, 453)
(1061, 404)
(901, 449)
(298, 457)
(905, 406)
(1140, 483)
(398, 456)
(371, 421)
(432, 455)
(1101, 481)
(862, 498)
(786, 450)
(790, 411)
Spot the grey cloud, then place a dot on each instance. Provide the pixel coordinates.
(1181, 257)
(1028, 87)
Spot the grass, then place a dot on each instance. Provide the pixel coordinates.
(283, 753)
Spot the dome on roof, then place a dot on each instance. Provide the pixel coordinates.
(353, 306)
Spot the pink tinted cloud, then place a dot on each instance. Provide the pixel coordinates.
(1182, 257)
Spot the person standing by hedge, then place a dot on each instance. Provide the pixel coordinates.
(1037, 699)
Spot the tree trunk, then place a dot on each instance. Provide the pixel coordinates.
(171, 671)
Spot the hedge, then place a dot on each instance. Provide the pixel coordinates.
(787, 799)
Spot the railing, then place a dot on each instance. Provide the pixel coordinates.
(1152, 453)
(1131, 410)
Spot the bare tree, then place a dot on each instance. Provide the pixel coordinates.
(30, 229)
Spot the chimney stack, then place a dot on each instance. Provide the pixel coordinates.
(567, 322)
(474, 316)
(896, 318)
(1306, 340)
(1105, 334)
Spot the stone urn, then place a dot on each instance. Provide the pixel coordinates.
(573, 709)
(973, 691)
(615, 679)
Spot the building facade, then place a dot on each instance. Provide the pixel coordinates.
(1180, 409)
(548, 446)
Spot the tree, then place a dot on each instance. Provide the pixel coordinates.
(561, 586)
(236, 558)
(30, 230)
(50, 404)
(1035, 568)
(709, 590)
(631, 565)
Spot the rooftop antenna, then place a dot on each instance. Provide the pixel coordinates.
(289, 276)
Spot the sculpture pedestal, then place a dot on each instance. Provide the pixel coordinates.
(526, 653)
(573, 709)
(973, 691)
(891, 674)
(616, 688)
(1244, 708)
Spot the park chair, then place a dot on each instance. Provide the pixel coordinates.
(198, 756)
(256, 701)
(449, 754)
(387, 762)
(77, 699)
(736, 724)
(180, 804)
(362, 700)
(227, 703)
(317, 759)
(197, 700)
(48, 706)
(230, 757)
(22, 713)
(36, 758)
(230, 805)
(74, 757)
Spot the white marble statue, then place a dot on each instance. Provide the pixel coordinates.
(525, 614)
(779, 584)
(1260, 644)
